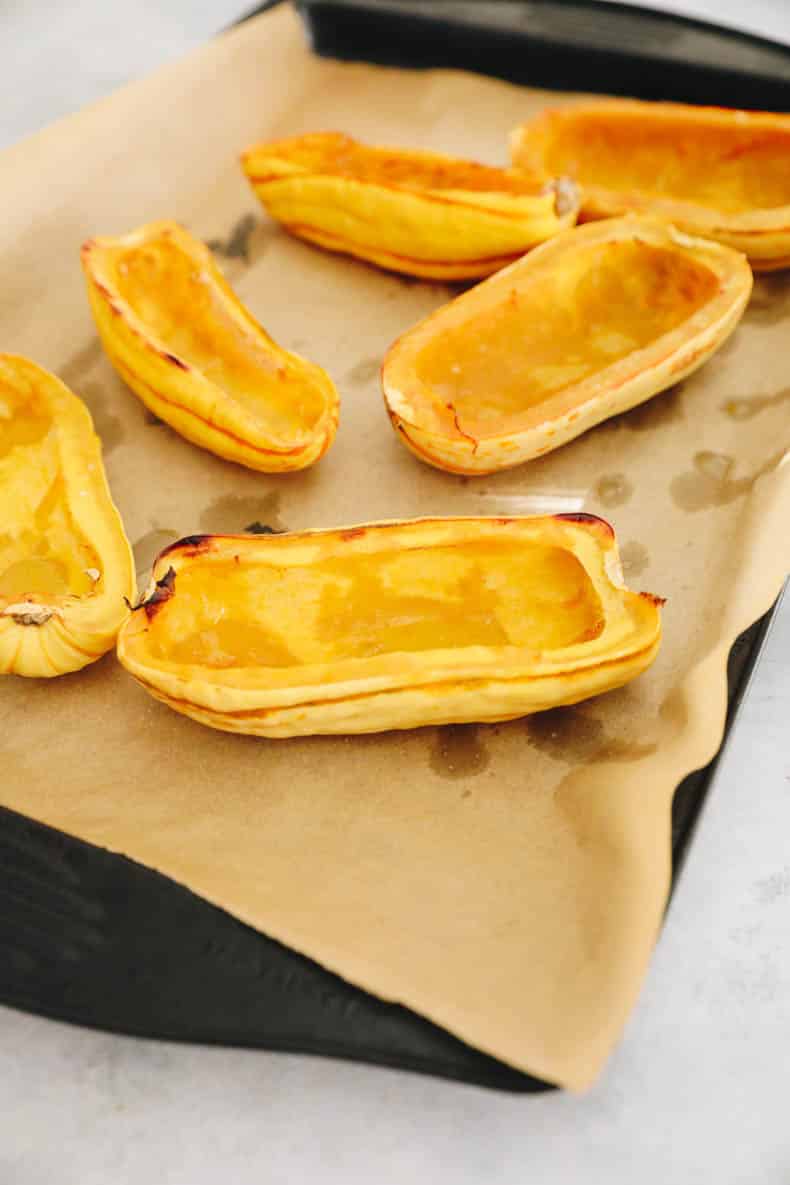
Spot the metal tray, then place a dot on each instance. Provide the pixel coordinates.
(93, 938)
(582, 45)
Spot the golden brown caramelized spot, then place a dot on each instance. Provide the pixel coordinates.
(180, 304)
(339, 156)
(723, 168)
(560, 326)
(42, 551)
(490, 594)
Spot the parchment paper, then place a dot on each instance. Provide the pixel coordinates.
(506, 881)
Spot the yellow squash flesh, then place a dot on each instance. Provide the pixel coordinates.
(389, 625)
(414, 212)
(178, 336)
(65, 563)
(590, 324)
(713, 172)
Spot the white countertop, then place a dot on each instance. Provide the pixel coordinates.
(696, 1092)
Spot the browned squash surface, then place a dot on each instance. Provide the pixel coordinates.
(184, 343)
(413, 211)
(578, 321)
(713, 172)
(588, 325)
(389, 625)
(161, 285)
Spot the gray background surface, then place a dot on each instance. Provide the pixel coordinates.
(698, 1089)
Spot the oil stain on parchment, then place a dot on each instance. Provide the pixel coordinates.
(566, 734)
(619, 750)
(74, 370)
(233, 513)
(458, 751)
(74, 374)
(108, 426)
(240, 241)
(614, 489)
(148, 546)
(710, 483)
(634, 557)
(673, 711)
(364, 372)
(664, 408)
(747, 407)
(572, 735)
(770, 300)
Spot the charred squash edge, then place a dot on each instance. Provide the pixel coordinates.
(221, 704)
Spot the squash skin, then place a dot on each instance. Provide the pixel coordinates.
(180, 393)
(441, 439)
(405, 689)
(373, 203)
(762, 234)
(43, 634)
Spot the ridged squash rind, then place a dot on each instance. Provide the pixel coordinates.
(415, 212)
(43, 634)
(191, 395)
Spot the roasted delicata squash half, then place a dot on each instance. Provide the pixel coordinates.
(413, 212)
(712, 172)
(391, 625)
(65, 563)
(177, 334)
(590, 324)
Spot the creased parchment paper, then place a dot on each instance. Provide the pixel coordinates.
(505, 881)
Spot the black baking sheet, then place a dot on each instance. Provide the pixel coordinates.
(94, 938)
(91, 937)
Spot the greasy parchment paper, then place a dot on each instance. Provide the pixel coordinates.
(506, 881)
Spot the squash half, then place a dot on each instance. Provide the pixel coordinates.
(712, 172)
(588, 325)
(414, 212)
(183, 342)
(390, 625)
(65, 563)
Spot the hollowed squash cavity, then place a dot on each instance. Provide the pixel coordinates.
(182, 341)
(65, 564)
(588, 325)
(722, 174)
(388, 625)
